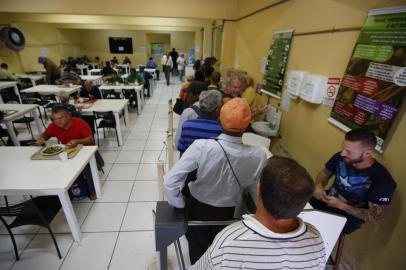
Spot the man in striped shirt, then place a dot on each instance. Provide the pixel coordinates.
(273, 238)
(206, 126)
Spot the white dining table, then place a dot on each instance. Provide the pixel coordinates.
(21, 109)
(119, 88)
(46, 177)
(95, 71)
(32, 77)
(114, 105)
(9, 84)
(47, 89)
(96, 79)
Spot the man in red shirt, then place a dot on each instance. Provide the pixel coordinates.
(70, 131)
(67, 129)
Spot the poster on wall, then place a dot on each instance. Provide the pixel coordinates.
(374, 82)
(277, 59)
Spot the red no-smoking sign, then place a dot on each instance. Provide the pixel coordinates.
(331, 91)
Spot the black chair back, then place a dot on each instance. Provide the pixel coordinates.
(110, 94)
(35, 211)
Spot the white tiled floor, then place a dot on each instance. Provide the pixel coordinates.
(117, 230)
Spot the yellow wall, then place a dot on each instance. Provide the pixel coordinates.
(305, 132)
(39, 36)
(95, 43)
(154, 8)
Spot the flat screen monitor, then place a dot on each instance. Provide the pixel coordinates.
(121, 45)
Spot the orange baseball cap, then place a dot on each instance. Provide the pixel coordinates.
(235, 115)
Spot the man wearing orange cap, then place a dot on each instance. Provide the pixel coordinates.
(216, 191)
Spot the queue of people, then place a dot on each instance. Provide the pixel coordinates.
(215, 169)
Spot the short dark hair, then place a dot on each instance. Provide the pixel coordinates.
(208, 70)
(199, 76)
(215, 76)
(59, 107)
(4, 65)
(196, 87)
(285, 187)
(364, 136)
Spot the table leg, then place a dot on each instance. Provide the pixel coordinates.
(126, 114)
(142, 97)
(11, 132)
(138, 101)
(95, 176)
(163, 259)
(33, 82)
(38, 122)
(17, 93)
(70, 215)
(118, 126)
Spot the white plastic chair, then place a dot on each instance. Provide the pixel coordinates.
(249, 138)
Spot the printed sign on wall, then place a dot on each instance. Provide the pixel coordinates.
(374, 82)
(276, 63)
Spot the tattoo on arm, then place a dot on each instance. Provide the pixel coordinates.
(323, 177)
(372, 214)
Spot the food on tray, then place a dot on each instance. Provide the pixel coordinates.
(52, 150)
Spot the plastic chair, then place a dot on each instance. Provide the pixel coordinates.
(27, 120)
(107, 121)
(131, 95)
(253, 139)
(35, 211)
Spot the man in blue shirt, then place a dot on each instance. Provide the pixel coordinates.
(206, 126)
(107, 70)
(89, 90)
(362, 186)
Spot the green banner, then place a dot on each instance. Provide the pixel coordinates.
(374, 83)
(276, 63)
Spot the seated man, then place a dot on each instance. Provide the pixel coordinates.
(107, 70)
(206, 126)
(5, 75)
(135, 77)
(362, 186)
(216, 191)
(274, 237)
(69, 77)
(89, 90)
(70, 131)
(151, 64)
(114, 78)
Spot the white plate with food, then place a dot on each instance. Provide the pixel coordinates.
(52, 150)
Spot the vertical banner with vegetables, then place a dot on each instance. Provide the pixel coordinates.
(374, 82)
(276, 63)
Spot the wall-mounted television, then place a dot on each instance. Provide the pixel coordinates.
(121, 45)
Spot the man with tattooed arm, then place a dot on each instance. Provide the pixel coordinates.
(362, 186)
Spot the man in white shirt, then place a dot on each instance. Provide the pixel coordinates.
(273, 238)
(216, 191)
(181, 66)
